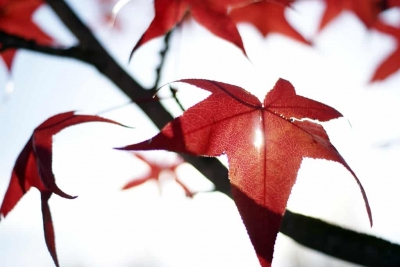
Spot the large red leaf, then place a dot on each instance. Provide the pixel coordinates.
(212, 14)
(268, 17)
(16, 18)
(33, 168)
(366, 10)
(391, 64)
(156, 169)
(265, 144)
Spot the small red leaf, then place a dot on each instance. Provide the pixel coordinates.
(262, 170)
(34, 168)
(267, 17)
(211, 14)
(16, 18)
(366, 10)
(156, 168)
(391, 64)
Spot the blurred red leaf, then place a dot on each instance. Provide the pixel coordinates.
(265, 144)
(106, 14)
(366, 10)
(156, 168)
(268, 17)
(33, 168)
(393, 3)
(212, 14)
(390, 64)
(16, 18)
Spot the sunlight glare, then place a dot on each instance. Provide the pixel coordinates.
(118, 6)
(258, 139)
(9, 89)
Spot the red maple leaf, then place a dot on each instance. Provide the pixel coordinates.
(393, 3)
(267, 17)
(212, 14)
(156, 168)
(366, 10)
(262, 170)
(33, 168)
(391, 64)
(16, 18)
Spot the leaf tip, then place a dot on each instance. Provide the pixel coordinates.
(136, 47)
(375, 78)
(371, 222)
(364, 195)
(120, 148)
(131, 54)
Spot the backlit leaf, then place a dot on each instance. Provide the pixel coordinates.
(265, 144)
(33, 168)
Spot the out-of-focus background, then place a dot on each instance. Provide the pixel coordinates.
(157, 225)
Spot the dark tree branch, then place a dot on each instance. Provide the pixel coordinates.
(10, 41)
(341, 243)
(329, 239)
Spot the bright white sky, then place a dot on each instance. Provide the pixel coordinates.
(138, 227)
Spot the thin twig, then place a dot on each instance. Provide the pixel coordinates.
(173, 92)
(156, 98)
(163, 54)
